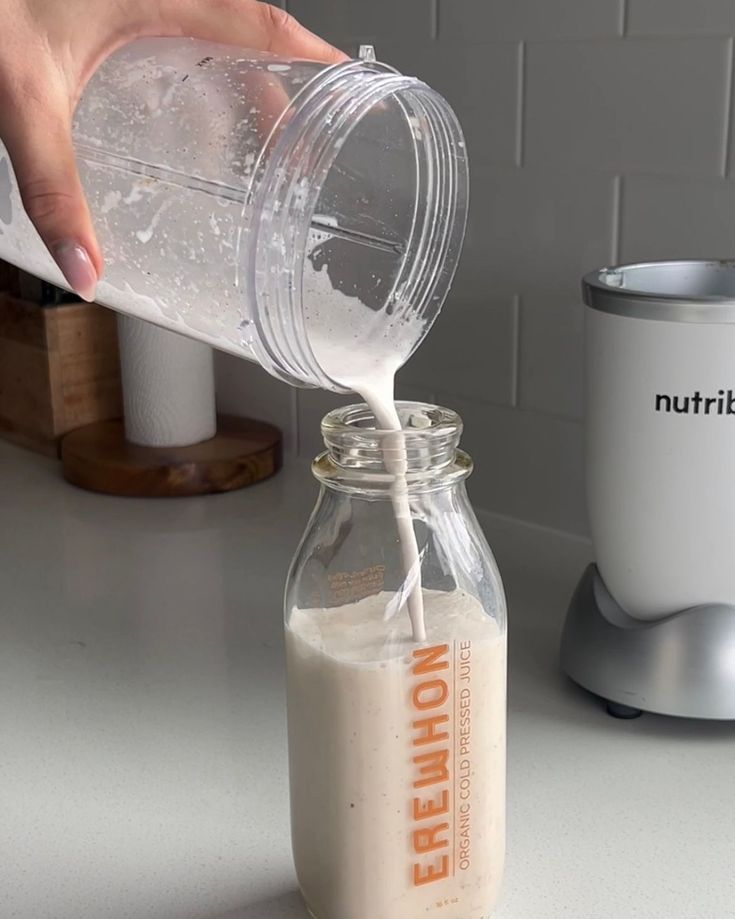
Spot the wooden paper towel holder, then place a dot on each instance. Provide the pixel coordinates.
(171, 443)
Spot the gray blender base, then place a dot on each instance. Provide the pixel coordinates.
(682, 665)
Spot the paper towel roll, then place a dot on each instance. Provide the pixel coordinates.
(168, 386)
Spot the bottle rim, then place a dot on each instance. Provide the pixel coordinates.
(426, 449)
(318, 122)
(421, 421)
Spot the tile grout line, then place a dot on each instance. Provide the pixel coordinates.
(521, 105)
(617, 222)
(728, 125)
(516, 345)
(624, 15)
(435, 19)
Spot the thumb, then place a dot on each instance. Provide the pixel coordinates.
(40, 146)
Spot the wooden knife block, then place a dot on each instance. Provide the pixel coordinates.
(59, 370)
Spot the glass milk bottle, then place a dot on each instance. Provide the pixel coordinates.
(396, 738)
(263, 205)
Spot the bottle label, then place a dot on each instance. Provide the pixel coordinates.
(433, 810)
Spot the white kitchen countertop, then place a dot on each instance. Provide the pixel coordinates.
(142, 724)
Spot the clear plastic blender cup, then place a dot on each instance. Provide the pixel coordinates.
(223, 181)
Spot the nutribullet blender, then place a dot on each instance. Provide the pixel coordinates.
(651, 626)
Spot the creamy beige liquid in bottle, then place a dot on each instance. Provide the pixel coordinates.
(397, 759)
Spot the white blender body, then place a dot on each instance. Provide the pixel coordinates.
(652, 625)
(661, 460)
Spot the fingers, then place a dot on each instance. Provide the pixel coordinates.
(35, 117)
(40, 147)
(250, 24)
(286, 36)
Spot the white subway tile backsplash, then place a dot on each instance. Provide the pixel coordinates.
(408, 392)
(532, 230)
(470, 351)
(552, 353)
(478, 20)
(630, 105)
(527, 465)
(681, 17)
(482, 88)
(671, 218)
(245, 389)
(356, 21)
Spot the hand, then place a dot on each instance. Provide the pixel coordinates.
(48, 52)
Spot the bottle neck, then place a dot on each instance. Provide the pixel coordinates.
(423, 456)
(310, 146)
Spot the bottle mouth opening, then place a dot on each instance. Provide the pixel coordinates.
(364, 206)
(427, 442)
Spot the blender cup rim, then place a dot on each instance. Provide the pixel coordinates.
(316, 132)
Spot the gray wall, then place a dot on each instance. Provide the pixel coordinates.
(599, 131)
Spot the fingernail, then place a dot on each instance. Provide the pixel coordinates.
(77, 268)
